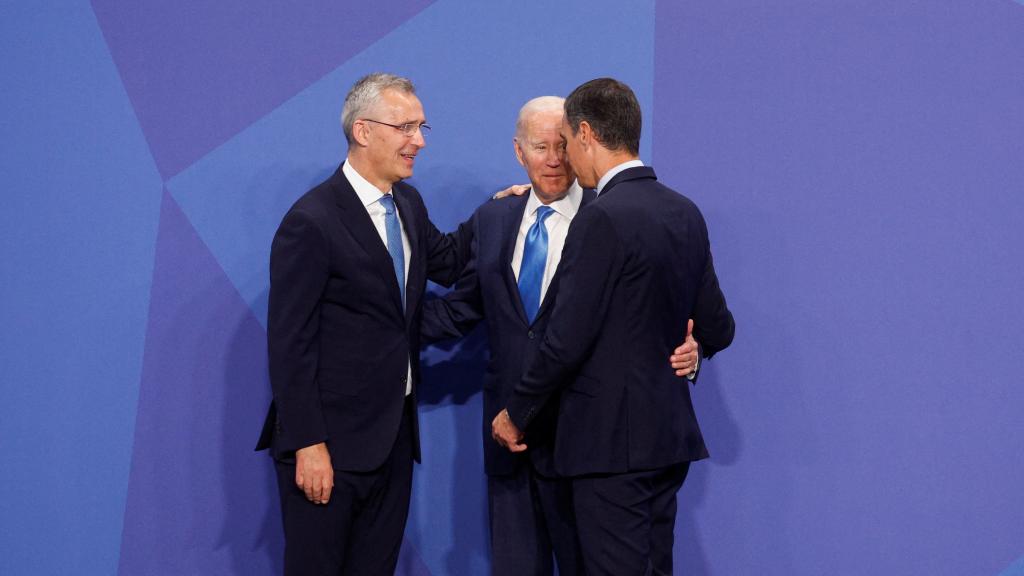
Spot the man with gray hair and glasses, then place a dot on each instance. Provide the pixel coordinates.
(348, 271)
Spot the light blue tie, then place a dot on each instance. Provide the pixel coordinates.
(535, 256)
(394, 232)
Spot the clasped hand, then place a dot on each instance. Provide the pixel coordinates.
(505, 432)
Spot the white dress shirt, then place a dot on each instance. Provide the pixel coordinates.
(370, 196)
(611, 173)
(557, 226)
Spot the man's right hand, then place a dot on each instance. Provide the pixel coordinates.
(313, 472)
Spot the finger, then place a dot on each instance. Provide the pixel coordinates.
(318, 489)
(682, 361)
(517, 448)
(328, 488)
(689, 328)
(322, 490)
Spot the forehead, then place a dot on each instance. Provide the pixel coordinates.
(399, 106)
(544, 124)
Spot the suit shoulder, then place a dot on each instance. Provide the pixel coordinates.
(313, 207)
(595, 216)
(407, 190)
(496, 208)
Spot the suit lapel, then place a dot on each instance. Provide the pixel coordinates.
(510, 228)
(357, 221)
(414, 276)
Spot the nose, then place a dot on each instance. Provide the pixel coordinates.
(417, 138)
(555, 157)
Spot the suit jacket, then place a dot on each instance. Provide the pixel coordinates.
(339, 339)
(488, 289)
(638, 265)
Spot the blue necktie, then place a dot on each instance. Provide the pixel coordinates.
(535, 257)
(394, 232)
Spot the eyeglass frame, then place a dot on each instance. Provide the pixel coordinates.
(409, 132)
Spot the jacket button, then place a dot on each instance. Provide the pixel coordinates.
(405, 379)
(530, 335)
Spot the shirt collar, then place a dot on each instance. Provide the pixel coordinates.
(611, 173)
(368, 193)
(567, 205)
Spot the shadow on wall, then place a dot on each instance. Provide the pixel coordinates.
(725, 443)
(754, 373)
(251, 529)
(453, 372)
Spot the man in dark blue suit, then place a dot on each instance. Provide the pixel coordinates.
(638, 265)
(511, 281)
(348, 270)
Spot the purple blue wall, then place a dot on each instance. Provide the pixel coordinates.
(860, 164)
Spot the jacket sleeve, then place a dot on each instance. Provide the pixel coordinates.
(713, 324)
(298, 275)
(459, 311)
(447, 254)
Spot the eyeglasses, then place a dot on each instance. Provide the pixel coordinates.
(407, 129)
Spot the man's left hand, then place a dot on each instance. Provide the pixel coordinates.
(505, 432)
(684, 358)
(513, 190)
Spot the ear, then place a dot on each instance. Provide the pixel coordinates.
(519, 151)
(361, 133)
(585, 134)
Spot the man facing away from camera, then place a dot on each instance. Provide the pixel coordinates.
(511, 280)
(637, 264)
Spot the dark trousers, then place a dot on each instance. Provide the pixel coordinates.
(626, 521)
(359, 531)
(531, 518)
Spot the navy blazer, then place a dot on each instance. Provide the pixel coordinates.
(638, 265)
(488, 289)
(339, 339)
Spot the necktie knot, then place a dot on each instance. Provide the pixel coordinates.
(388, 202)
(543, 212)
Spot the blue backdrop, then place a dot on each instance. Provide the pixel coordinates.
(860, 164)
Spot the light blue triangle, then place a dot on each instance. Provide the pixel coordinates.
(1015, 569)
(454, 50)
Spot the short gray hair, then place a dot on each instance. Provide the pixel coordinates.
(365, 93)
(538, 104)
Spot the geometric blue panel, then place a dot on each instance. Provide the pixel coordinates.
(200, 500)
(236, 195)
(77, 230)
(198, 72)
(860, 166)
(474, 66)
(1017, 569)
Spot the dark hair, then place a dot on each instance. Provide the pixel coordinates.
(611, 109)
